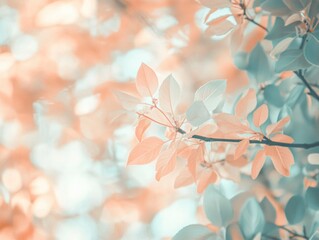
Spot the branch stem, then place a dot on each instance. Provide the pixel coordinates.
(266, 141)
(312, 92)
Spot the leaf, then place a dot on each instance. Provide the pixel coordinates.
(291, 60)
(233, 232)
(258, 163)
(311, 50)
(241, 148)
(211, 93)
(259, 65)
(279, 30)
(195, 232)
(146, 82)
(141, 127)
(276, 7)
(169, 94)
(228, 123)
(127, 101)
(277, 127)
(281, 47)
(311, 197)
(268, 210)
(184, 178)
(295, 209)
(281, 157)
(166, 162)
(273, 96)
(217, 207)
(206, 177)
(293, 18)
(313, 158)
(196, 156)
(219, 29)
(145, 151)
(246, 104)
(197, 114)
(251, 219)
(296, 5)
(260, 116)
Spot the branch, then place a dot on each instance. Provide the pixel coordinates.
(294, 234)
(256, 23)
(265, 141)
(311, 91)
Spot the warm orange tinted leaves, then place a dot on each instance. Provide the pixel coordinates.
(145, 151)
(241, 148)
(230, 124)
(206, 177)
(169, 94)
(146, 82)
(281, 157)
(166, 162)
(282, 138)
(260, 115)
(196, 156)
(184, 178)
(277, 127)
(127, 101)
(258, 163)
(219, 29)
(246, 104)
(240, 162)
(141, 127)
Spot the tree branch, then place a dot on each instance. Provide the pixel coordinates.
(256, 23)
(311, 91)
(265, 141)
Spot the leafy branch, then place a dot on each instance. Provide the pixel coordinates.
(265, 141)
(243, 6)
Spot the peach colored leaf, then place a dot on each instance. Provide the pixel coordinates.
(277, 127)
(184, 178)
(258, 163)
(146, 82)
(220, 29)
(141, 127)
(169, 94)
(127, 101)
(166, 162)
(281, 157)
(145, 151)
(241, 148)
(240, 162)
(246, 104)
(211, 93)
(158, 116)
(218, 20)
(207, 177)
(196, 156)
(228, 123)
(282, 138)
(260, 115)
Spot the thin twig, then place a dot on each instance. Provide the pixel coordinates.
(256, 23)
(303, 79)
(263, 142)
(293, 233)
